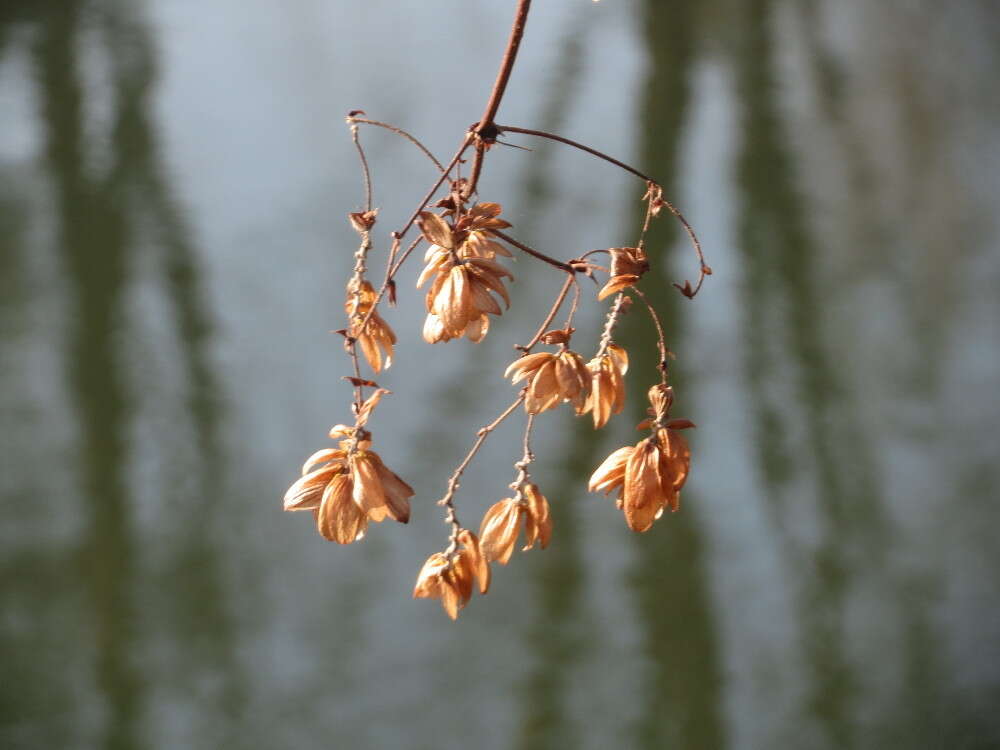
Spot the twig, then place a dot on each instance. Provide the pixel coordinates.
(485, 129)
(364, 167)
(704, 270)
(568, 268)
(575, 144)
(401, 132)
(662, 340)
(609, 325)
(526, 458)
(448, 501)
(553, 311)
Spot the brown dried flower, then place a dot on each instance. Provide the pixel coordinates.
(607, 385)
(377, 338)
(628, 264)
(450, 578)
(649, 475)
(552, 379)
(466, 275)
(502, 524)
(350, 488)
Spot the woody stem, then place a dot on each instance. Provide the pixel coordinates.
(448, 501)
(661, 339)
(548, 318)
(486, 127)
(534, 253)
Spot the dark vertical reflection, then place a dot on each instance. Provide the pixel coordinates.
(200, 621)
(555, 642)
(93, 236)
(784, 334)
(681, 707)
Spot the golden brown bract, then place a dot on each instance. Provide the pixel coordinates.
(450, 577)
(607, 385)
(351, 487)
(552, 379)
(649, 475)
(628, 264)
(461, 261)
(503, 522)
(377, 338)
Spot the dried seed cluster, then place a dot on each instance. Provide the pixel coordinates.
(348, 486)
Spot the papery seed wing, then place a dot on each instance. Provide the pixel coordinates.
(340, 520)
(611, 472)
(435, 229)
(477, 329)
(521, 367)
(321, 457)
(433, 330)
(307, 492)
(480, 564)
(367, 491)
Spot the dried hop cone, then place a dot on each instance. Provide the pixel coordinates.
(502, 524)
(552, 379)
(450, 578)
(377, 338)
(350, 488)
(466, 276)
(607, 385)
(649, 475)
(628, 264)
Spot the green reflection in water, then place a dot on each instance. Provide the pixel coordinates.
(105, 218)
(784, 334)
(93, 237)
(555, 641)
(680, 706)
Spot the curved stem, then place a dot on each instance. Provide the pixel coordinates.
(662, 340)
(575, 144)
(548, 318)
(485, 128)
(400, 132)
(531, 251)
(448, 501)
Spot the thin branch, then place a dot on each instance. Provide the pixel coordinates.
(548, 318)
(705, 270)
(430, 193)
(448, 501)
(364, 167)
(573, 305)
(568, 268)
(617, 310)
(399, 131)
(526, 458)
(485, 128)
(575, 144)
(662, 340)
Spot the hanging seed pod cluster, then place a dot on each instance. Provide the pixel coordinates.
(467, 287)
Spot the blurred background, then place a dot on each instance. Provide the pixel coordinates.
(174, 183)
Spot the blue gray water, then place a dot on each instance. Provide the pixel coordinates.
(174, 179)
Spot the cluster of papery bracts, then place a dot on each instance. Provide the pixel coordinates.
(448, 575)
(461, 260)
(650, 474)
(349, 486)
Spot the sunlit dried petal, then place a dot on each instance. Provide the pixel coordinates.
(479, 562)
(499, 530)
(321, 457)
(435, 229)
(307, 492)
(611, 473)
(537, 508)
(339, 519)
